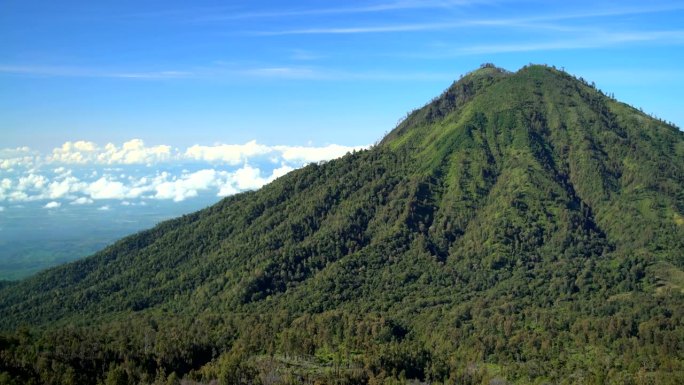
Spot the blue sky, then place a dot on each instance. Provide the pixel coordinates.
(181, 73)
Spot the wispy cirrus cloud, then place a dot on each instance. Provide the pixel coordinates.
(527, 24)
(597, 40)
(284, 72)
(620, 10)
(222, 72)
(211, 72)
(362, 29)
(89, 72)
(405, 5)
(541, 21)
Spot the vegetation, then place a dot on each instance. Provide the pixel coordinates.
(520, 228)
(21, 259)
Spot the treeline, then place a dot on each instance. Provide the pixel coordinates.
(479, 344)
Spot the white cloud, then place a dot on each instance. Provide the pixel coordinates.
(227, 183)
(5, 183)
(61, 172)
(74, 152)
(81, 201)
(90, 72)
(248, 178)
(109, 172)
(64, 187)
(2, 208)
(17, 196)
(187, 186)
(132, 152)
(85, 146)
(5, 186)
(14, 152)
(11, 158)
(52, 205)
(227, 189)
(59, 189)
(314, 154)
(104, 208)
(136, 152)
(32, 182)
(372, 8)
(105, 188)
(232, 154)
(280, 171)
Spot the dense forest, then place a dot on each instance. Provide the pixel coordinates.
(521, 228)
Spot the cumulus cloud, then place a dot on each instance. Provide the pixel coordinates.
(11, 158)
(314, 154)
(233, 154)
(19, 196)
(74, 152)
(82, 172)
(62, 172)
(65, 187)
(14, 152)
(105, 188)
(132, 152)
(187, 186)
(81, 201)
(248, 178)
(227, 189)
(135, 151)
(5, 187)
(52, 205)
(280, 171)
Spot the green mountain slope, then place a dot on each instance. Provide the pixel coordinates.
(521, 227)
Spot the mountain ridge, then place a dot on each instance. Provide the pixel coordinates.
(497, 232)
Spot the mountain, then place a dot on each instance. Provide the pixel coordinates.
(519, 228)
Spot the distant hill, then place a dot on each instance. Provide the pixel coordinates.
(519, 228)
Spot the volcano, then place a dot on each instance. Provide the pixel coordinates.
(522, 227)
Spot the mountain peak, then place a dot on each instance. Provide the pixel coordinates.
(487, 69)
(493, 89)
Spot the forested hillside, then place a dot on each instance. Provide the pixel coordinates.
(520, 228)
